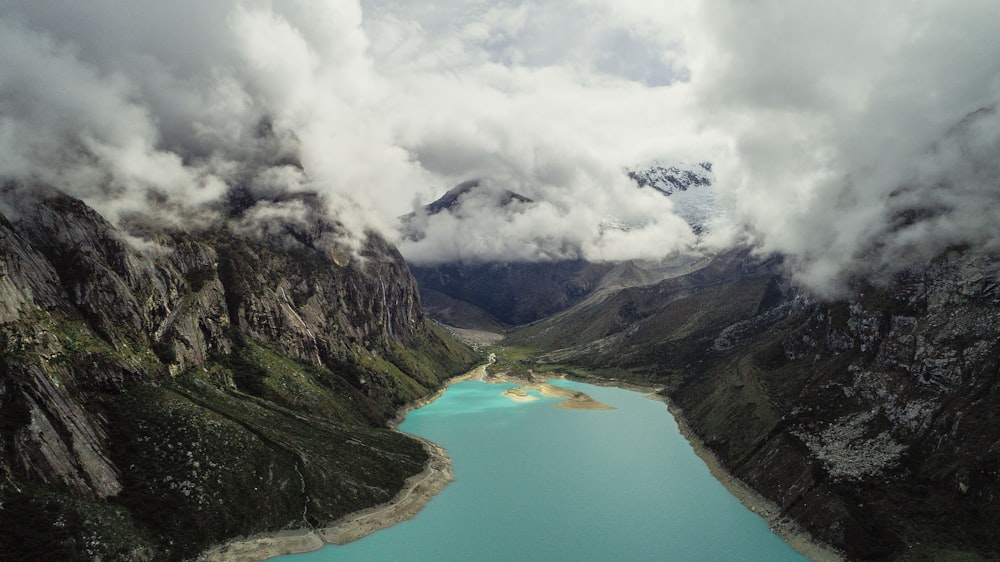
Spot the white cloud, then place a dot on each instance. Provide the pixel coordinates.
(834, 129)
(834, 110)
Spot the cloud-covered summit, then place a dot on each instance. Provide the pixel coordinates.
(855, 141)
(844, 120)
(464, 224)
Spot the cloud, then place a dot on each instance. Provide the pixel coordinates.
(845, 120)
(850, 140)
(551, 229)
(144, 108)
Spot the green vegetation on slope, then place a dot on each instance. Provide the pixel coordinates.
(153, 406)
(870, 422)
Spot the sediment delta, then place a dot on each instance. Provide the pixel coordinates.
(573, 400)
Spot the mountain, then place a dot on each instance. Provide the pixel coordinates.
(513, 293)
(162, 395)
(670, 177)
(450, 199)
(629, 325)
(502, 200)
(870, 422)
(490, 295)
(456, 313)
(689, 186)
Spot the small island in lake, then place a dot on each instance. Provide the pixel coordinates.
(518, 394)
(574, 400)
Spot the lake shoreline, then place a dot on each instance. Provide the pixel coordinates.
(788, 529)
(785, 527)
(421, 487)
(416, 492)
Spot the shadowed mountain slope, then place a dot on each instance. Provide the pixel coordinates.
(871, 422)
(214, 384)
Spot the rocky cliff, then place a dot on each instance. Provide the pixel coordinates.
(162, 393)
(871, 421)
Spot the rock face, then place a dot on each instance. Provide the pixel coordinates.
(215, 381)
(873, 421)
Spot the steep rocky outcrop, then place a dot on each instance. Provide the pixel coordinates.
(156, 400)
(871, 421)
(670, 177)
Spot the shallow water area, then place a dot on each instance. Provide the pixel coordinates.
(536, 482)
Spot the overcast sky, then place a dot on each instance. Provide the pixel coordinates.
(856, 138)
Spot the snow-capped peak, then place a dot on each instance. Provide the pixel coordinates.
(689, 186)
(671, 177)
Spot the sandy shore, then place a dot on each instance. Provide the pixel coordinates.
(417, 491)
(573, 400)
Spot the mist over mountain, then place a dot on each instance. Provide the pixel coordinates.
(852, 153)
(199, 223)
(482, 222)
(688, 186)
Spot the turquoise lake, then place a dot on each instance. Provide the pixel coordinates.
(533, 482)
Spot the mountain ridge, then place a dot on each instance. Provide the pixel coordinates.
(161, 403)
(869, 421)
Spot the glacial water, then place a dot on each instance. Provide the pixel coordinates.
(533, 482)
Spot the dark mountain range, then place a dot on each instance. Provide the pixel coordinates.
(513, 293)
(871, 421)
(212, 385)
(233, 380)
